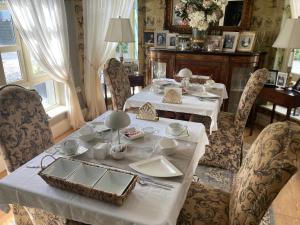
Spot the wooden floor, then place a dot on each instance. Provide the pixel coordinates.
(286, 206)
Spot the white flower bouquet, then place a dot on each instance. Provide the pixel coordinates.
(200, 14)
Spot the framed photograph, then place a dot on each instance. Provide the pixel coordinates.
(149, 37)
(230, 41)
(184, 42)
(160, 39)
(272, 78)
(281, 79)
(246, 41)
(297, 86)
(171, 41)
(216, 42)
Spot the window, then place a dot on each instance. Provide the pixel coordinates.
(296, 62)
(18, 67)
(130, 50)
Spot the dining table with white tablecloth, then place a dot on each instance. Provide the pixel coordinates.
(191, 104)
(146, 205)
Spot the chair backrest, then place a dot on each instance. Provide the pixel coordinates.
(24, 128)
(250, 93)
(117, 82)
(269, 164)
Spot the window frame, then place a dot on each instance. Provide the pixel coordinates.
(29, 79)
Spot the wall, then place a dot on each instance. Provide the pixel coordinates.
(266, 20)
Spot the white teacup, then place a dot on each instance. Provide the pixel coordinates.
(68, 147)
(176, 129)
(168, 146)
(87, 133)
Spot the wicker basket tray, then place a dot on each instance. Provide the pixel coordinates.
(90, 191)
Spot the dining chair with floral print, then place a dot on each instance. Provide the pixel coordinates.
(268, 166)
(118, 83)
(24, 134)
(225, 148)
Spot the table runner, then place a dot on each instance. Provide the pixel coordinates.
(146, 205)
(190, 104)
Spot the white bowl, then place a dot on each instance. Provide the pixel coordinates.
(168, 146)
(176, 129)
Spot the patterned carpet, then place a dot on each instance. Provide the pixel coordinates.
(222, 179)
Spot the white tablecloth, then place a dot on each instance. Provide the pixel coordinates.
(146, 204)
(190, 104)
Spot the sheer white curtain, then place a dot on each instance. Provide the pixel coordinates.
(43, 28)
(295, 8)
(97, 14)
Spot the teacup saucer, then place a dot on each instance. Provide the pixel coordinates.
(80, 151)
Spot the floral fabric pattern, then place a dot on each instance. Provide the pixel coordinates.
(117, 82)
(225, 149)
(268, 166)
(204, 206)
(24, 134)
(24, 128)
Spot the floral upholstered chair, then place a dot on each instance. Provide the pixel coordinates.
(117, 82)
(225, 149)
(24, 134)
(268, 166)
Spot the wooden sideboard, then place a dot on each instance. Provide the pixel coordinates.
(231, 69)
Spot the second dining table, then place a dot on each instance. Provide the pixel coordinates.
(191, 104)
(146, 205)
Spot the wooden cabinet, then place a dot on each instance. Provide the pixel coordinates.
(231, 69)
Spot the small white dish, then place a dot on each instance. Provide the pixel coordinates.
(68, 147)
(114, 182)
(99, 127)
(156, 167)
(132, 133)
(118, 151)
(80, 150)
(167, 146)
(87, 175)
(62, 168)
(176, 129)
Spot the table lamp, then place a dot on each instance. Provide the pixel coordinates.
(289, 38)
(119, 30)
(117, 120)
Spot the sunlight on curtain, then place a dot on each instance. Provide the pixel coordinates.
(295, 8)
(96, 16)
(43, 27)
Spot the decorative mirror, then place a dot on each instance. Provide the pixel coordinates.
(237, 16)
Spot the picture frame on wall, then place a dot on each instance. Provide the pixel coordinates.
(171, 41)
(216, 42)
(149, 37)
(272, 78)
(281, 80)
(160, 39)
(246, 41)
(230, 41)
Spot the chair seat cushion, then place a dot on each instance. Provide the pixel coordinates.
(204, 206)
(224, 149)
(214, 177)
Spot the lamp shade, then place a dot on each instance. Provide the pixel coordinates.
(117, 120)
(289, 36)
(119, 30)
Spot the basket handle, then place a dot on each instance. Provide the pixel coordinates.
(42, 160)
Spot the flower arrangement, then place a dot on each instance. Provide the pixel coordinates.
(200, 14)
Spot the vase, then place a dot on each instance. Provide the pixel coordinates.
(198, 39)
